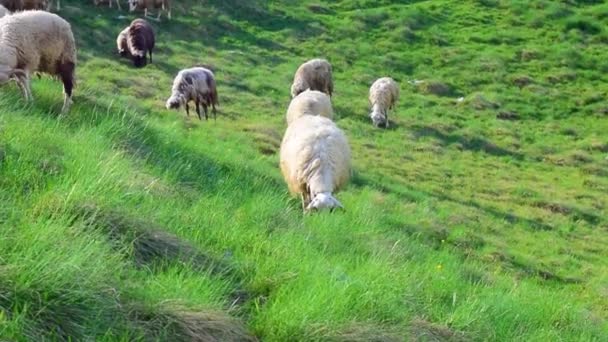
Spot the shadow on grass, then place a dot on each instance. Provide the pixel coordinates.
(474, 144)
(413, 195)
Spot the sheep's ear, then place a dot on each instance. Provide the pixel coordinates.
(188, 80)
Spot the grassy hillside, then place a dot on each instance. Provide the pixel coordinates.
(480, 214)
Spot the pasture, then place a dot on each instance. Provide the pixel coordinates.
(479, 214)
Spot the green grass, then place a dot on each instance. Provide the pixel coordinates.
(125, 221)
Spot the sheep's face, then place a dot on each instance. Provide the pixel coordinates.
(133, 5)
(323, 201)
(378, 118)
(175, 101)
(140, 60)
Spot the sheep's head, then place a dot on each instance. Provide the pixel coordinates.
(139, 59)
(322, 201)
(133, 5)
(175, 101)
(379, 118)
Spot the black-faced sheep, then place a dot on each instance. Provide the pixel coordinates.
(314, 75)
(140, 42)
(12, 5)
(383, 95)
(161, 5)
(315, 161)
(99, 2)
(309, 102)
(37, 41)
(194, 84)
(4, 11)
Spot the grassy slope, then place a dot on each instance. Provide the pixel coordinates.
(126, 221)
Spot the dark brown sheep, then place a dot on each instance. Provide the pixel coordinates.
(140, 41)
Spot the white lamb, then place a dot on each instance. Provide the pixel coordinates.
(37, 41)
(315, 75)
(4, 11)
(194, 84)
(315, 161)
(383, 95)
(310, 102)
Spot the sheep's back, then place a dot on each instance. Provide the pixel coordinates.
(315, 74)
(315, 151)
(41, 39)
(309, 102)
(384, 91)
(194, 82)
(140, 36)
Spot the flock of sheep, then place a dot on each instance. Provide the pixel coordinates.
(315, 157)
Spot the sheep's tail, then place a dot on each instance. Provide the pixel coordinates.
(324, 200)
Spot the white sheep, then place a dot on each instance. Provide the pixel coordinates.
(99, 2)
(383, 95)
(37, 41)
(195, 84)
(4, 11)
(315, 161)
(162, 5)
(309, 102)
(315, 75)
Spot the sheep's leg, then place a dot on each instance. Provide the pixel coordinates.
(305, 195)
(27, 89)
(187, 109)
(66, 71)
(206, 111)
(198, 109)
(150, 55)
(386, 122)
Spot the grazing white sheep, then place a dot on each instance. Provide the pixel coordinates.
(99, 2)
(315, 161)
(314, 75)
(162, 5)
(310, 102)
(383, 95)
(4, 11)
(37, 41)
(195, 84)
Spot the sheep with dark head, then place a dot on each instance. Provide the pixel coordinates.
(194, 84)
(140, 42)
